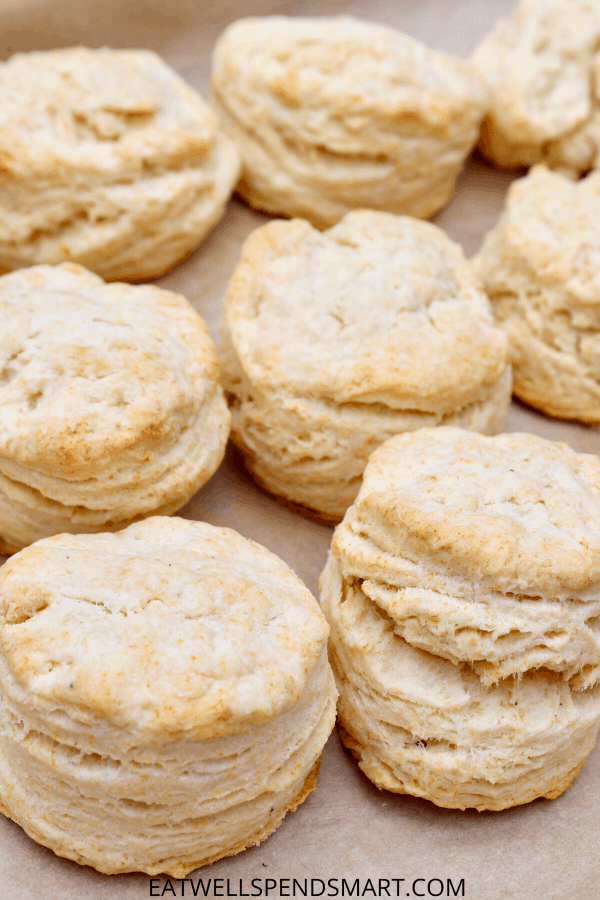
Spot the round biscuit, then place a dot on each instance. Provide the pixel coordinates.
(108, 159)
(540, 268)
(542, 70)
(332, 342)
(333, 114)
(111, 406)
(165, 694)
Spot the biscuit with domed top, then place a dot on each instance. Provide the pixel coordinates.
(335, 341)
(483, 550)
(111, 403)
(463, 594)
(540, 267)
(109, 159)
(542, 70)
(165, 691)
(334, 114)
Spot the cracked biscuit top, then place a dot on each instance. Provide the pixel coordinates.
(542, 68)
(332, 114)
(172, 628)
(107, 158)
(100, 105)
(94, 377)
(482, 549)
(540, 267)
(515, 510)
(379, 310)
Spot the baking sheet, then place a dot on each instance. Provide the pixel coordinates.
(546, 850)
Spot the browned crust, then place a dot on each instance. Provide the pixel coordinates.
(305, 511)
(7, 549)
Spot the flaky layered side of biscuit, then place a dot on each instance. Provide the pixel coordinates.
(165, 695)
(333, 114)
(111, 406)
(123, 809)
(463, 594)
(485, 551)
(333, 342)
(420, 725)
(540, 267)
(542, 67)
(108, 159)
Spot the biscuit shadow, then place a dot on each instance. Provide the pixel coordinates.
(524, 418)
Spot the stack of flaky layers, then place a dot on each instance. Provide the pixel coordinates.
(111, 406)
(334, 341)
(541, 67)
(540, 267)
(165, 694)
(109, 159)
(334, 114)
(463, 595)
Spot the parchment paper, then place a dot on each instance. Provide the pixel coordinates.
(546, 850)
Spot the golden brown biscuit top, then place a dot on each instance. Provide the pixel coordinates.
(550, 232)
(112, 111)
(379, 309)
(94, 376)
(515, 512)
(331, 77)
(173, 628)
(538, 64)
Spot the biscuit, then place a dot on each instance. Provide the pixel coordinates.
(333, 342)
(165, 694)
(108, 159)
(332, 114)
(542, 69)
(463, 595)
(111, 406)
(540, 267)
